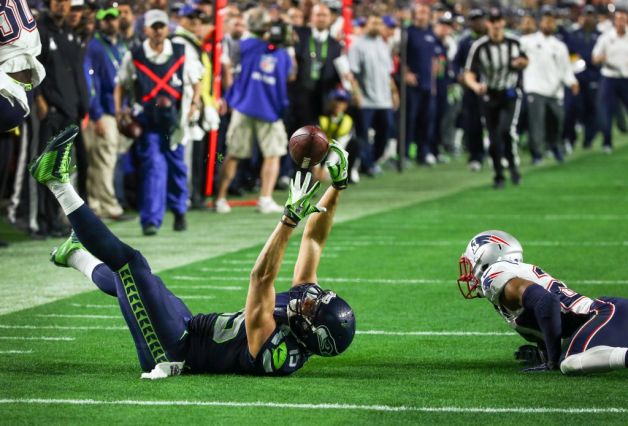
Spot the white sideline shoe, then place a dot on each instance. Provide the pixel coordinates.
(266, 205)
(222, 206)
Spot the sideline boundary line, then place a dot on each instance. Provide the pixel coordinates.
(324, 406)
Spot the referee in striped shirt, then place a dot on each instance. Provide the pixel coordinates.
(493, 72)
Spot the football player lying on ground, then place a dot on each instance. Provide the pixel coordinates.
(543, 310)
(274, 334)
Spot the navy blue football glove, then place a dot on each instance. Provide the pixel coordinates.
(530, 355)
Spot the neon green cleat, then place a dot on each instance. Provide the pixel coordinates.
(60, 255)
(54, 162)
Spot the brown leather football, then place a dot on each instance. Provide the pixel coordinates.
(129, 127)
(308, 146)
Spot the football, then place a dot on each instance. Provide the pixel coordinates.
(308, 146)
(129, 127)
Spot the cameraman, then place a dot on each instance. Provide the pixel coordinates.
(258, 98)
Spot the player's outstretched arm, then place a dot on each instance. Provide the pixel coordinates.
(545, 307)
(314, 238)
(260, 301)
(319, 226)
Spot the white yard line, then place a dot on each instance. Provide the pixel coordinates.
(202, 287)
(78, 316)
(226, 269)
(16, 352)
(88, 306)
(434, 333)
(452, 333)
(345, 245)
(62, 327)
(324, 406)
(192, 297)
(206, 287)
(46, 338)
(357, 280)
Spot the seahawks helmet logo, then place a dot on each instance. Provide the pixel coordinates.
(326, 343)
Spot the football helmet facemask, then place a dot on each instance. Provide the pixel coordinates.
(483, 250)
(322, 322)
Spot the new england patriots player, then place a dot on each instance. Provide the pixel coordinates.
(573, 332)
(274, 334)
(20, 71)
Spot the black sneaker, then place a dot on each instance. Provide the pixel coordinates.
(180, 223)
(499, 184)
(150, 230)
(515, 176)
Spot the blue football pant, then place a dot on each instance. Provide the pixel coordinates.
(156, 318)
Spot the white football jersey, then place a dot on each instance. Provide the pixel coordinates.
(497, 275)
(19, 40)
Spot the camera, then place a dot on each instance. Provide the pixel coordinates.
(279, 33)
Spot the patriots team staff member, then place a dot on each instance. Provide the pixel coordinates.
(20, 71)
(275, 334)
(611, 53)
(594, 332)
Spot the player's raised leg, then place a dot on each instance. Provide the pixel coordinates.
(319, 226)
(52, 168)
(156, 318)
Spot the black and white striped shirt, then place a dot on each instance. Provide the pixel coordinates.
(491, 62)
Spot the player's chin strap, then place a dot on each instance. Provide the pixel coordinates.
(163, 370)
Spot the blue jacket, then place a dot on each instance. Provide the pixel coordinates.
(581, 43)
(102, 54)
(444, 76)
(261, 89)
(421, 45)
(464, 46)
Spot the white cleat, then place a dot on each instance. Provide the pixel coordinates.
(266, 205)
(430, 159)
(475, 166)
(222, 206)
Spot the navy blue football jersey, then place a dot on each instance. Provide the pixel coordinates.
(218, 344)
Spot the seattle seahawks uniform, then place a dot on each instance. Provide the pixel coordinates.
(585, 322)
(218, 344)
(19, 48)
(164, 329)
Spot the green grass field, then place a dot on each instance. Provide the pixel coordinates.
(423, 354)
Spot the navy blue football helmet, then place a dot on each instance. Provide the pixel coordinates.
(323, 322)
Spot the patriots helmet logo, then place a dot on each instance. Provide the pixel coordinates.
(486, 239)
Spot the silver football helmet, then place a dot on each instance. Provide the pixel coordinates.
(482, 251)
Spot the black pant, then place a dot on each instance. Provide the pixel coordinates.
(500, 110)
(472, 125)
